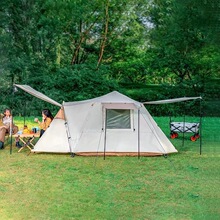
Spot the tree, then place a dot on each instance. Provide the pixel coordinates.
(176, 42)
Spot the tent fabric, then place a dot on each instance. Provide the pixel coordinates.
(37, 94)
(86, 128)
(81, 128)
(88, 133)
(54, 139)
(172, 100)
(112, 97)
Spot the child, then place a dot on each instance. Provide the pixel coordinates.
(26, 130)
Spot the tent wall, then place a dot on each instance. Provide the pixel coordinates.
(84, 130)
(86, 123)
(55, 137)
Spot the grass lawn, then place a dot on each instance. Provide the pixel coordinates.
(54, 186)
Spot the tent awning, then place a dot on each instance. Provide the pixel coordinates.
(37, 94)
(165, 101)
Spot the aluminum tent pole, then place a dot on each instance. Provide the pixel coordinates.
(184, 122)
(72, 154)
(11, 125)
(105, 132)
(25, 103)
(138, 133)
(200, 128)
(10, 132)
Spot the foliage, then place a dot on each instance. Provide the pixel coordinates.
(72, 50)
(179, 45)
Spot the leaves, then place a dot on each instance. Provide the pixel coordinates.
(80, 49)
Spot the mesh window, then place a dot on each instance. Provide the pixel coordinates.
(118, 118)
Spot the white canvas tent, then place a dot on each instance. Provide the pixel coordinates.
(112, 124)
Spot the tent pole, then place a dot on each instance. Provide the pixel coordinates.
(25, 112)
(200, 128)
(11, 126)
(67, 131)
(184, 122)
(105, 132)
(138, 133)
(10, 130)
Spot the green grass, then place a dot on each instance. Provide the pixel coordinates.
(54, 186)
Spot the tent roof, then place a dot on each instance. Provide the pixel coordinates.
(172, 100)
(37, 94)
(112, 97)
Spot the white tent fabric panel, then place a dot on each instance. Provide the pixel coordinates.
(83, 117)
(161, 137)
(119, 142)
(89, 142)
(112, 97)
(54, 139)
(37, 94)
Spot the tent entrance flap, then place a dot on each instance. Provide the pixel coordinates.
(37, 94)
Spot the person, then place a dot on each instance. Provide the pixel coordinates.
(6, 126)
(47, 118)
(26, 130)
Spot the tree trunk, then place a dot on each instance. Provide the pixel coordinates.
(103, 43)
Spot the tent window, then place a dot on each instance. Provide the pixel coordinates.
(118, 118)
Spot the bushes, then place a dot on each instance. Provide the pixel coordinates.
(72, 83)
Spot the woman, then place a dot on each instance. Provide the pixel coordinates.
(6, 126)
(47, 118)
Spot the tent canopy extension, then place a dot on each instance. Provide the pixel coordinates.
(112, 124)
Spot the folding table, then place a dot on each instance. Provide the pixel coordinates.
(27, 140)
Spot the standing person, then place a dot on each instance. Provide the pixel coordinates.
(47, 118)
(7, 126)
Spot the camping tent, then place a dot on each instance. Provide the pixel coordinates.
(113, 124)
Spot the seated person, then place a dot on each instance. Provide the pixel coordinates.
(6, 126)
(1, 122)
(47, 118)
(26, 130)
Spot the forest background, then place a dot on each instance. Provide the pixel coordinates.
(80, 49)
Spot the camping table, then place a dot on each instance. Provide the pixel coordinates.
(27, 140)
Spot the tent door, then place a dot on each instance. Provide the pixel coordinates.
(120, 119)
